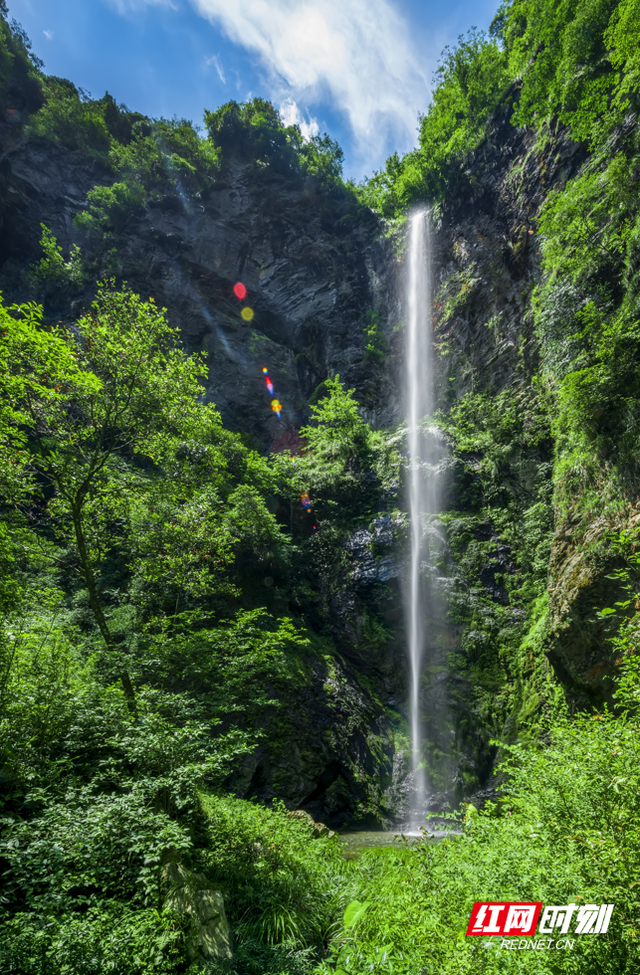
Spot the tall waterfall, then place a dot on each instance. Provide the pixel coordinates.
(419, 387)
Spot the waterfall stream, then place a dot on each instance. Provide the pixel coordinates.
(422, 501)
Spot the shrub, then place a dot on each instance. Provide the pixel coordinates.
(282, 885)
(566, 829)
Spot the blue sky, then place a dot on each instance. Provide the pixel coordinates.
(358, 69)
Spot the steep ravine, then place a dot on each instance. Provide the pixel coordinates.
(314, 268)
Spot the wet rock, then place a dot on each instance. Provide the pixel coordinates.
(372, 562)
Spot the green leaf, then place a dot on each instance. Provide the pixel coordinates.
(355, 910)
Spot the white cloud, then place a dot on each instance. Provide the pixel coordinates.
(48, 34)
(291, 115)
(357, 54)
(215, 61)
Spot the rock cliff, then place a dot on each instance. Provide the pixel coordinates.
(316, 265)
(312, 267)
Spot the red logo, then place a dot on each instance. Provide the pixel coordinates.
(504, 918)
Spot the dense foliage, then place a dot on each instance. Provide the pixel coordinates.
(554, 452)
(166, 599)
(20, 87)
(141, 654)
(547, 62)
(564, 832)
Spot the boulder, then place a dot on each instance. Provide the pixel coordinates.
(319, 829)
(209, 936)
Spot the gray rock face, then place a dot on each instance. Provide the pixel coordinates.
(311, 267)
(487, 258)
(374, 552)
(209, 936)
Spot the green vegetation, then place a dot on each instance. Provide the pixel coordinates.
(254, 129)
(545, 63)
(52, 272)
(141, 656)
(499, 535)
(20, 91)
(564, 831)
(166, 600)
(282, 883)
(376, 346)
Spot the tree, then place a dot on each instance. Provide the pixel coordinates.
(78, 399)
(339, 431)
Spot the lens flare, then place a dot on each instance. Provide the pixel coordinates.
(267, 380)
(240, 291)
(276, 405)
(305, 501)
(247, 314)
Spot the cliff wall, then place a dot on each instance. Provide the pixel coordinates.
(312, 268)
(320, 269)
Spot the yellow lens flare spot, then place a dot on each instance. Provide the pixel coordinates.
(247, 314)
(276, 406)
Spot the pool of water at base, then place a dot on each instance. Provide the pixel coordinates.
(356, 843)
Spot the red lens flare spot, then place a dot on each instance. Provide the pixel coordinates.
(240, 291)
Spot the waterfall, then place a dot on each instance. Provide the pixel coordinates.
(422, 501)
